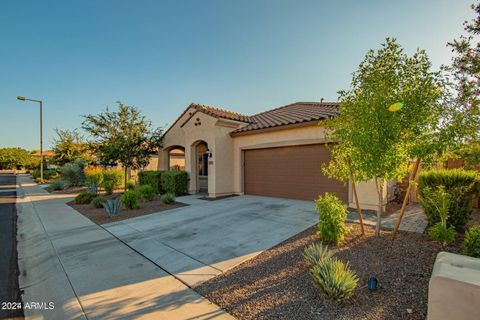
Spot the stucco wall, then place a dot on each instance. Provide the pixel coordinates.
(226, 163)
(215, 133)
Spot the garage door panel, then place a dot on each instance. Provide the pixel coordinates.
(290, 172)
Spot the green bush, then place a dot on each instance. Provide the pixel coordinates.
(333, 213)
(168, 198)
(48, 174)
(130, 200)
(175, 182)
(98, 201)
(93, 178)
(72, 173)
(57, 185)
(108, 186)
(460, 184)
(84, 197)
(146, 192)
(439, 202)
(153, 178)
(471, 242)
(131, 184)
(332, 277)
(113, 175)
(440, 233)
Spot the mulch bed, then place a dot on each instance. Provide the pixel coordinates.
(277, 285)
(99, 216)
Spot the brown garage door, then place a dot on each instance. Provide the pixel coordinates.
(290, 172)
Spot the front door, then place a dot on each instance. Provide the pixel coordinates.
(202, 167)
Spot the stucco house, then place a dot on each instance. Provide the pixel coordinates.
(275, 153)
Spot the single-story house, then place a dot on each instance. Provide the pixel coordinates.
(275, 153)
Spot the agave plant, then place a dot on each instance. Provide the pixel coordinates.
(112, 207)
(332, 277)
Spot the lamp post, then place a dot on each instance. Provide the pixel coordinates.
(41, 133)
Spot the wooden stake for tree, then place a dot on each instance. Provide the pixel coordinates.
(359, 210)
(407, 197)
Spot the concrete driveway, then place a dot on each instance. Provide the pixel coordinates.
(206, 238)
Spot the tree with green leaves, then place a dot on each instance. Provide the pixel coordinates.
(123, 137)
(389, 115)
(11, 158)
(68, 146)
(465, 70)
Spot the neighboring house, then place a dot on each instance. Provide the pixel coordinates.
(277, 153)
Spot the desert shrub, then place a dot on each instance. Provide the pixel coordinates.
(72, 173)
(130, 200)
(175, 182)
(146, 192)
(113, 175)
(84, 197)
(152, 178)
(131, 184)
(441, 233)
(331, 277)
(460, 184)
(471, 242)
(93, 177)
(98, 201)
(168, 198)
(333, 213)
(439, 202)
(112, 207)
(57, 185)
(92, 188)
(108, 186)
(316, 252)
(48, 174)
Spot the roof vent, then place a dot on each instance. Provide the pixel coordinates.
(321, 100)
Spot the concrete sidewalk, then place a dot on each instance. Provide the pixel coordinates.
(87, 273)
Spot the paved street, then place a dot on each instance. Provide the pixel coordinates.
(8, 257)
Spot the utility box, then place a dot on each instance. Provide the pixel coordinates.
(454, 289)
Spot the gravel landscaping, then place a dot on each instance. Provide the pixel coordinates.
(99, 216)
(277, 285)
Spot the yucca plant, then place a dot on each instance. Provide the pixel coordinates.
(316, 252)
(112, 207)
(332, 277)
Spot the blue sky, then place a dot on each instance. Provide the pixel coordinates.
(245, 56)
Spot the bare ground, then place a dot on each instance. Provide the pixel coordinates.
(277, 285)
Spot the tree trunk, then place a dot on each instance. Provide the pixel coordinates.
(379, 185)
(125, 180)
(359, 210)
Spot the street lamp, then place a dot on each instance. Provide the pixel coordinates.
(41, 133)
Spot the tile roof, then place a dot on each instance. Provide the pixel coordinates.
(298, 112)
(221, 113)
(294, 113)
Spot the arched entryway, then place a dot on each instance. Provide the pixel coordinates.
(202, 153)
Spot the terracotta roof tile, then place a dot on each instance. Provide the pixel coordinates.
(221, 113)
(294, 113)
(290, 114)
